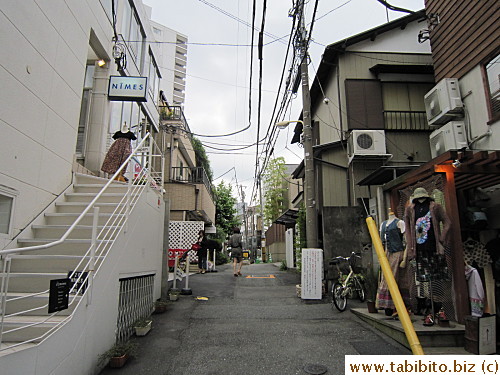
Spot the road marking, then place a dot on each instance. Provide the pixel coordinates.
(260, 277)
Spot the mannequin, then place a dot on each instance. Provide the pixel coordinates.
(391, 233)
(119, 151)
(425, 241)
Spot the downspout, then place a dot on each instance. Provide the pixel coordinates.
(196, 193)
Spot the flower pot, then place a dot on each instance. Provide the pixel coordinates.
(143, 330)
(173, 297)
(159, 309)
(116, 362)
(371, 307)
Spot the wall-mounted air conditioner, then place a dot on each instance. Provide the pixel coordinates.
(367, 142)
(448, 137)
(443, 103)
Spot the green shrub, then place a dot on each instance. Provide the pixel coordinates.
(221, 258)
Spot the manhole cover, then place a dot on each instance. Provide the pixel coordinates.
(315, 369)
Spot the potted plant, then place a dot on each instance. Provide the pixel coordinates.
(371, 286)
(160, 306)
(142, 326)
(173, 295)
(118, 354)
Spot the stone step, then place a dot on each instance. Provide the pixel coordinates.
(78, 207)
(104, 198)
(433, 336)
(69, 218)
(45, 324)
(33, 263)
(33, 304)
(80, 231)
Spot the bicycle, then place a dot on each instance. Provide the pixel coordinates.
(346, 284)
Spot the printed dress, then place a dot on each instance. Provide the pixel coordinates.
(119, 151)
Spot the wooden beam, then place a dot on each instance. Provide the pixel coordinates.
(421, 172)
(457, 251)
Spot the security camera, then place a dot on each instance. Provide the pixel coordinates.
(326, 100)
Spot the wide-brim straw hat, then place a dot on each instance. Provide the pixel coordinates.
(420, 193)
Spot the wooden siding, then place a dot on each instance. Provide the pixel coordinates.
(356, 65)
(467, 34)
(334, 179)
(364, 104)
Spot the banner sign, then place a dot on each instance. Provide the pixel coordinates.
(172, 253)
(123, 88)
(59, 295)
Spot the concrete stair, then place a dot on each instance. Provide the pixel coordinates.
(31, 272)
(431, 338)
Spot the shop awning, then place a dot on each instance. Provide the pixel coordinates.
(288, 218)
(470, 168)
(385, 174)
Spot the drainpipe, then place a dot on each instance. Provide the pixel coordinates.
(196, 194)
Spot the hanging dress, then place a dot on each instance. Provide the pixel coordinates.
(430, 264)
(119, 151)
(392, 235)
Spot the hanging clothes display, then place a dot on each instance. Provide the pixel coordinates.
(476, 291)
(119, 151)
(391, 233)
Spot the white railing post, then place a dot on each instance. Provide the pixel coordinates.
(93, 245)
(128, 202)
(4, 289)
(150, 155)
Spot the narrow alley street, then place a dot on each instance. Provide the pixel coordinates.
(253, 324)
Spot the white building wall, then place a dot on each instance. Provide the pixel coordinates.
(167, 59)
(74, 349)
(45, 46)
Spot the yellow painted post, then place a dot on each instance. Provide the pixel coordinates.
(410, 333)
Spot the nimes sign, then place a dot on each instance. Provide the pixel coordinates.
(123, 88)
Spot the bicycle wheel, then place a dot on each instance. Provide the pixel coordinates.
(360, 289)
(338, 297)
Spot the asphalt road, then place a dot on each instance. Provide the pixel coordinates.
(252, 326)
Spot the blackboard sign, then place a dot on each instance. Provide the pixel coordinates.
(59, 295)
(82, 282)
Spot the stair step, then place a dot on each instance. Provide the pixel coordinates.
(33, 282)
(45, 324)
(30, 263)
(69, 218)
(78, 207)
(17, 302)
(41, 241)
(13, 349)
(80, 231)
(88, 179)
(105, 197)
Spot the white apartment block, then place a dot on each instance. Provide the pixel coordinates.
(172, 61)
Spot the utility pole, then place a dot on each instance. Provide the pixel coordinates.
(309, 178)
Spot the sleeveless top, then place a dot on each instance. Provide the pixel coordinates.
(393, 236)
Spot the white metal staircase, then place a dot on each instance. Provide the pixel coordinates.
(71, 240)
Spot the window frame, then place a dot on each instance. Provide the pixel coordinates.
(10, 193)
(492, 116)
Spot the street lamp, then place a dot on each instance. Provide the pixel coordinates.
(283, 124)
(309, 184)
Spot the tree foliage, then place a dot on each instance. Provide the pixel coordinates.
(201, 157)
(225, 211)
(274, 189)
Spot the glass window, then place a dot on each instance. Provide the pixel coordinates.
(493, 75)
(126, 113)
(6, 205)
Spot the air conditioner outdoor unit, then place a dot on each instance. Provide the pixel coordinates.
(448, 137)
(367, 142)
(443, 103)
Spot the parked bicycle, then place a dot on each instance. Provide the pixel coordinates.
(346, 284)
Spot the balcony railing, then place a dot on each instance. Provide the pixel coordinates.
(406, 120)
(193, 176)
(173, 115)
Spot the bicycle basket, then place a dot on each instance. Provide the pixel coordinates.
(352, 262)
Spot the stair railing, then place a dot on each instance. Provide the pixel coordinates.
(145, 155)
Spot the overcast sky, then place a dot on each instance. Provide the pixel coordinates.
(217, 83)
